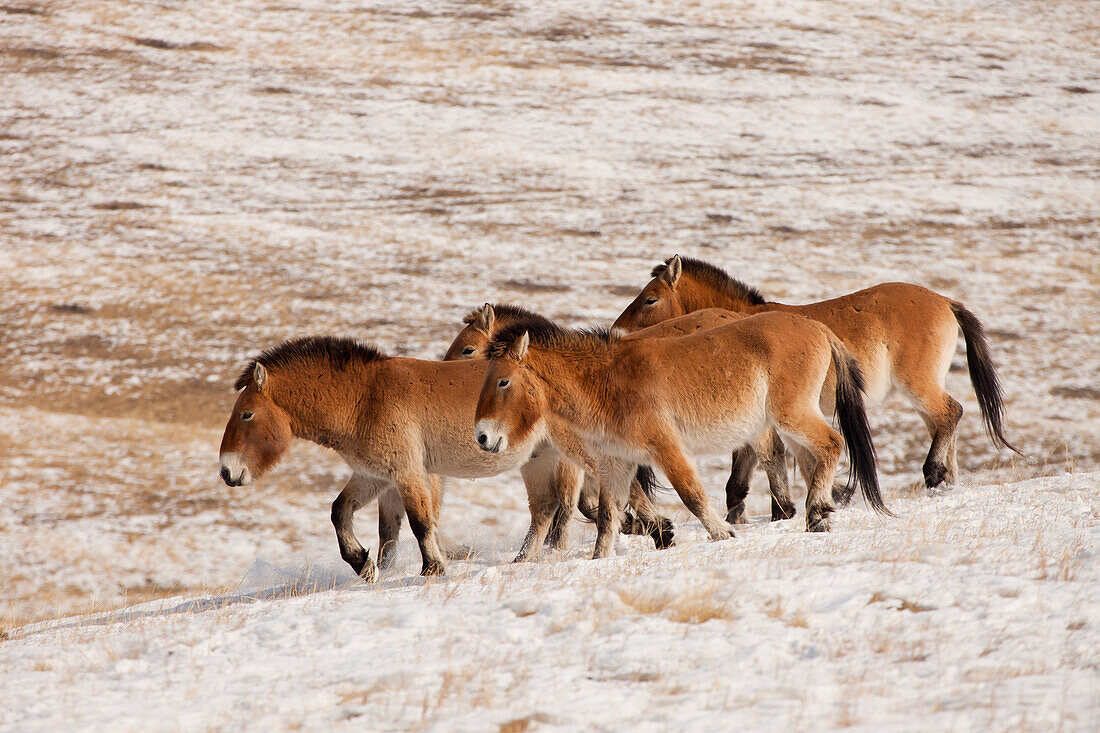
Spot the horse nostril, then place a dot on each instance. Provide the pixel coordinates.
(482, 438)
(225, 475)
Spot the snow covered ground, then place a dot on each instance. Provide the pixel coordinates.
(973, 611)
(185, 183)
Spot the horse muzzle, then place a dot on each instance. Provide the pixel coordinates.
(233, 471)
(488, 439)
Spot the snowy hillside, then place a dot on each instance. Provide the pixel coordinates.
(183, 184)
(973, 611)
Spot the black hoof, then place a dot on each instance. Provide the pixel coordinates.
(432, 568)
(736, 514)
(842, 494)
(817, 521)
(361, 563)
(630, 524)
(934, 474)
(781, 512)
(664, 537)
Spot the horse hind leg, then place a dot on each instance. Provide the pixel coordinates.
(941, 414)
(773, 458)
(390, 513)
(817, 449)
(649, 521)
(737, 486)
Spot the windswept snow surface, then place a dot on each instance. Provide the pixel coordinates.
(183, 184)
(972, 611)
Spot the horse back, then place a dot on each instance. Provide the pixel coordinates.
(898, 332)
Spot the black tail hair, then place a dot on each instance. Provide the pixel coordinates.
(983, 375)
(854, 427)
(647, 479)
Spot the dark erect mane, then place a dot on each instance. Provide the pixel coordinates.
(717, 278)
(544, 332)
(337, 351)
(508, 312)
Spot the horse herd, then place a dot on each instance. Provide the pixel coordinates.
(698, 362)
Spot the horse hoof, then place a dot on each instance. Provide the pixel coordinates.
(433, 568)
(367, 572)
(820, 525)
(934, 474)
(781, 512)
(940, 489)
(736, 515)
(664, 539)
(842, 494)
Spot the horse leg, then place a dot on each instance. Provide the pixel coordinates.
(817, 449)
(668, 455)
(773, 457)
(542, 500)
(567, 478)
(952, 476)
(420, 503)
(588, 502)
(357, 492)
(615, 478)
(737, 486)
(941, 414)
(649, 521)
(390, 513)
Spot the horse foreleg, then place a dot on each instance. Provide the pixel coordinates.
(667, 454)
(417, 498)
(568, 478)
(359, 491)
(615, 478)
(542, 501)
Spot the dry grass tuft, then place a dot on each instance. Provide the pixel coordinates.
(691, 606)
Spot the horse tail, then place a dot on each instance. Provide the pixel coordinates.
(647, 479)
(983, 375)
(853, 425)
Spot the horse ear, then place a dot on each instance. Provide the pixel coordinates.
(259, 376)
(671, 273)
(485, 319)
(518, 349)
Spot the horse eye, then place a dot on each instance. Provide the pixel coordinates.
(650, 301)
(468, 350)
(504, 383)
(246, 415)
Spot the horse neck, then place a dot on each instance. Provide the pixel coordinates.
(573, 384)
(700, 295)
(322, 404)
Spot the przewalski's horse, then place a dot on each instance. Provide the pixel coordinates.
(481, 324)
(902, 335)
(398, 423)
(650, 400)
